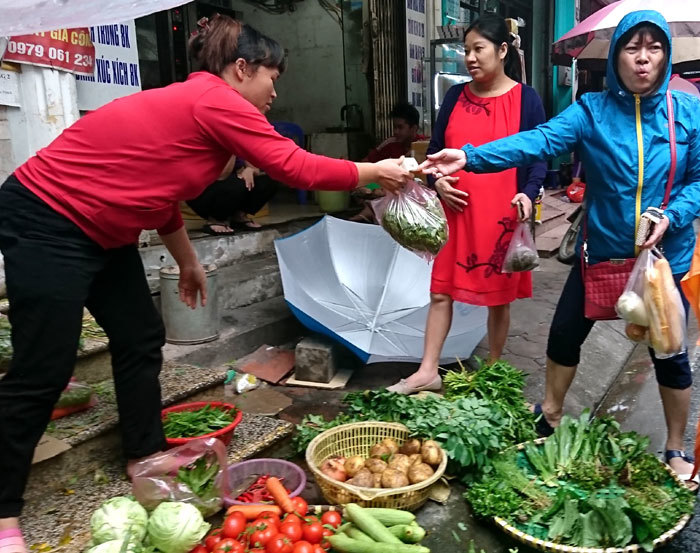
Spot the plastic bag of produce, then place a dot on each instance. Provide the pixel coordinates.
(414, 218)
(522, 252)
(75, 398)
(193, 473)
(651, 304)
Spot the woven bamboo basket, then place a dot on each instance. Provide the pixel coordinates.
(358, 438)
(544, 545)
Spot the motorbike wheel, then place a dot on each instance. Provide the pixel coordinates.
(567, 248)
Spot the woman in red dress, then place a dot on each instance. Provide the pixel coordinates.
(480, 209)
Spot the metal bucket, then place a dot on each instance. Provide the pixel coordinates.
(184, 325)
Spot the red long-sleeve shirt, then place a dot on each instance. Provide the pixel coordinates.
(124, 167)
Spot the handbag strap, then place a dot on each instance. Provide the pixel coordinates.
(672, 141)
(671, 171)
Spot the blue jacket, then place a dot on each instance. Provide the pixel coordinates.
(530, 178)
(622, 140)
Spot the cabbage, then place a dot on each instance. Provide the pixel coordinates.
(112, 546)
(115, 518)
(176, 527)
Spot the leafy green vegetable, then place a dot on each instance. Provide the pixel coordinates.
(176, 527)
(117, 518)
(190, 424)
(416, 221)
(200, 477)
(500, 383)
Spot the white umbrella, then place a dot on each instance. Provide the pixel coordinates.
(352, 282)
(589, 41)
(21, 17)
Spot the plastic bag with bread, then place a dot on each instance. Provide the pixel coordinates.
(652, 306)
(664, 308)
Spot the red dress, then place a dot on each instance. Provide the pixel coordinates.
(468, 268)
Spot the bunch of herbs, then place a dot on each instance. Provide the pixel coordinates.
(190, 424)
(500, 383)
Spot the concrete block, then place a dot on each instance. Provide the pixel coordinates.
(316, 359)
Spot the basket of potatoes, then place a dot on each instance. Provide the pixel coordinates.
(375, 464)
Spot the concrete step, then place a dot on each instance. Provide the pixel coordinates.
(222, 251)
(244, 330)
(249, 282)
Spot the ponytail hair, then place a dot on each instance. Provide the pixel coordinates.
(222, 40)
(493, 28)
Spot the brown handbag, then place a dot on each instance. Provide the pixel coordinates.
(604, 282)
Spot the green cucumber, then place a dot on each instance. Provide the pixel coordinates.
(408, 533)
(391, 517)
(357, 534)
(370, 525)
(344, 544)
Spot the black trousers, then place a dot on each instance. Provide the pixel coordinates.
(53, 270)
(222, 199)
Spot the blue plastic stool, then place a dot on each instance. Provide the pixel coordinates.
(295, 133)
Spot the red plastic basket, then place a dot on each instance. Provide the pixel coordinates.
(225, 434)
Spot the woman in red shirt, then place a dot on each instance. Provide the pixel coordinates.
(71, 215)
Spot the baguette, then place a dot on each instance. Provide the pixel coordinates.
(666, 324)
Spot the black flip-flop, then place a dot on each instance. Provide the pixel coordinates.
(542, 427)
(207, 229)
(246, 225)
(694, 483)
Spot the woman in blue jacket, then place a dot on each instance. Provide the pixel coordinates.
(622, 137)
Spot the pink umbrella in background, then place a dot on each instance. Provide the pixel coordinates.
(678, 83)
(589, 41)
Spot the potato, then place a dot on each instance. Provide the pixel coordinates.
(391, 445)
(363, 479)
(377, 479)
(379, 450)
(431, 452)
(400, 462)
(394, 479)
(376, 466)
(410, 446)
(335, 468)
(420, 473)
(354, 464)
(416, 459)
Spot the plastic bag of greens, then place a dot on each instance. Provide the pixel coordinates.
(522, 252)
(75, 398)
(193, 473)
(414, 218)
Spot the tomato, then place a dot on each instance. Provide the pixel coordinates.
(279, 544)
(313, 532)
(319, 549)
(292, 530)
(256, 550)
(213, 539)
(301, 507)
(269, 517)
(263, 534)
(303, 547)
(229, 545)
(312, 518)
(325, 544)
(293, 517)
(332, 518)
(200, 549)
(234, 525)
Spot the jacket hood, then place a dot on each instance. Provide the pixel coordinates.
(631, 20)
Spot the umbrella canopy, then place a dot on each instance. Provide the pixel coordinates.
(589, 41)
(352, 282)
(21, 17)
